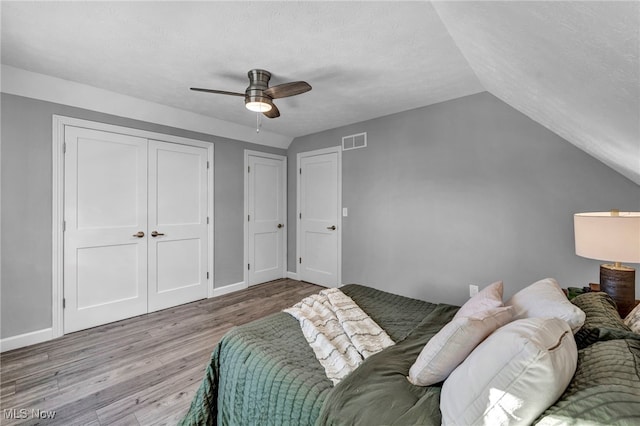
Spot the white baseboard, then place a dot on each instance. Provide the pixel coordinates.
(230, 288)
(292, 275)
(26, 339)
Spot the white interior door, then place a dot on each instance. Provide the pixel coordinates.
(105, 244)
(177, 224)
(319, 224)
(266, 218)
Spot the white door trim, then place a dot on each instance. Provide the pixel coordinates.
(300, 156)
(59, 123)
(283, 158)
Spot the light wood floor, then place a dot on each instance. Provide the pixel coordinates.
(140, 371)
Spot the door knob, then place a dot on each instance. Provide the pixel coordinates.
(156, 233)
(331, 228)
(280, 226)
(139, 234)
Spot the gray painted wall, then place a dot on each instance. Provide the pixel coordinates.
(467, 191)
(463, 192)
(26, 170)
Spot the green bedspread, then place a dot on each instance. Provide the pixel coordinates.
(378, 392)
(269, 373)
(605, 390)
(265, 373)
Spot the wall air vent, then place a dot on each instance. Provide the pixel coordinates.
(358, 140)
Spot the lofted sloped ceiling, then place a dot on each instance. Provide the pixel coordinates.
(571, 66)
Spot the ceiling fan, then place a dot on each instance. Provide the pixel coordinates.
(259, 96)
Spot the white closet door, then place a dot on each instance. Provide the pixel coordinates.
(105, 244)
(319, 221)
(266, 207)
(178, 215)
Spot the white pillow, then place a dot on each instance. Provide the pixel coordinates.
(632, 320)
(545, 299)
(453, 343)
(490, 297)
(513, 376)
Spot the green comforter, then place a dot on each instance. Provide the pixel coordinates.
(605, 389)
(378, 392)
(265, 373)
(269, 374)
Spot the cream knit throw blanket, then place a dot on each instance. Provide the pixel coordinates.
(339, 332)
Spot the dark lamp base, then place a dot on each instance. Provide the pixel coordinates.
(619, 283)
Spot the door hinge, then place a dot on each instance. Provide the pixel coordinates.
(248, 267)
(300, 260)
(64, 225)
(300, 170)
(207, 220)
(300, 215)
(207, 275)
(207, 164)
(248, 169)
(248, 218)
(64, 303)
(64, 148)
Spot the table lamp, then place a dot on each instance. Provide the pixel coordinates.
(615, 237)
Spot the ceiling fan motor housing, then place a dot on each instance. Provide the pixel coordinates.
(258, 83)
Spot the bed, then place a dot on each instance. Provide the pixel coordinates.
(265, 373)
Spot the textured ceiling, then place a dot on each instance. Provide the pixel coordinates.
(571, 66)
(364, 60)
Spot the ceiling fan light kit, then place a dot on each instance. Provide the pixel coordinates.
(257, 104)
(258, 97)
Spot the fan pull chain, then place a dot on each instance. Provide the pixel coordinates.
(258, 122)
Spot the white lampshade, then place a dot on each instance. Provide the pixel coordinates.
(607, 236)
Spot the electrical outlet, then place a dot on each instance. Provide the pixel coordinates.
(473, 290)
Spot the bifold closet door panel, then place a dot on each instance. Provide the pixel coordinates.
(105, 244)
(177, 224)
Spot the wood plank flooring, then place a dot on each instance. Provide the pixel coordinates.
(140, 371)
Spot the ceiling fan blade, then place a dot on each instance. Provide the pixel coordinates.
(219, 92)
(287, 89)
(273, 112)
